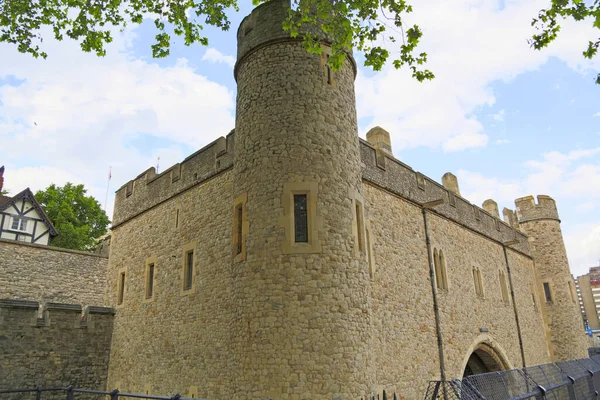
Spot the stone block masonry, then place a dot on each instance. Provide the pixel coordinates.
(63, 345)
(51, 274)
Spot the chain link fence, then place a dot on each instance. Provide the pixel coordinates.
(565, 380)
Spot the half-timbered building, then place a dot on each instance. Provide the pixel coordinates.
(23, 219)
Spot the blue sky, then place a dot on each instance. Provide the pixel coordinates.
(507, 120)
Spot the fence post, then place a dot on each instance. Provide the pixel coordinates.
(114, 395)
(70, 392)
(38, 393)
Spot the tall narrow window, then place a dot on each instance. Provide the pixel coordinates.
(189, 270)
(503, 288)
(300, 218)
(442, 262)
(177, 218)
(360, 227)
(547, 292)
(238, 224)
(478, 282)
(533, 295)
(436, 266)
(149, 281)
(328, 71)
(121, 289)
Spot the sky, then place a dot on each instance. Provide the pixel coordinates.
(507, 120)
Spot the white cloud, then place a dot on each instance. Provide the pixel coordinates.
(90, 111)
(215, 56)
(465, 141)
(469, 48)
(502, 141)
(571, 178)
(499, 116)
(583, 249)
(597, 114)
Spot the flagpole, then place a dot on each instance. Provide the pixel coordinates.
(107, 186)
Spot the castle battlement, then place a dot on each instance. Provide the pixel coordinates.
(58, 315)
(149, 189)
(529, 210)
(387, 172)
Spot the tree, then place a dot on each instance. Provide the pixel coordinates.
(547, 23)
(361, 24)
(78, 218)
(4, 192)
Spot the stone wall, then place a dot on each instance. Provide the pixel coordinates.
(149, 189)
(51, 274)
(178, 342)
(403, 303)
(59, 347)
(562, 313)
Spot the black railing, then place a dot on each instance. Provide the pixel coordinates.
(70, 393)
(565, 380)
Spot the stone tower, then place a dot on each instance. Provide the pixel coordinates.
(556, 289)
(299, 261)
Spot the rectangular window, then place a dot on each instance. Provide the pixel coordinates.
(177, 218)
(359, 227)
(239, 215)
(503, 287)
(149, 281)
(547, 292)
(328, 71)
(121, 289)
(19, 224)
(189, 270)
(300, 218)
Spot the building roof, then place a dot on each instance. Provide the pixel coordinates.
(27, 195)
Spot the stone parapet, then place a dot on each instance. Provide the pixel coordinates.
(51, 274)
(400, 179)
(149, 189)
(58, 347)
(529, 210)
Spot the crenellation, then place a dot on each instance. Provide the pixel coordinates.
(402, 180)
(528, 210)
(491, 207)
(149, 189)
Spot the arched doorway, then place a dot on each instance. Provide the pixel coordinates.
(484, 359)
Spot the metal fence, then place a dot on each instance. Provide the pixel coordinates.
(72, 393)
(565, 380)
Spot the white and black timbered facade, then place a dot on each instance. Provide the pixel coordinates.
(22, 219)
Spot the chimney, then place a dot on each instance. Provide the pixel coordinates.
(451, 183)
(492, 207)
(1, 177)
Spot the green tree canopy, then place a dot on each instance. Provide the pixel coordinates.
(78, 218)
(361, 24)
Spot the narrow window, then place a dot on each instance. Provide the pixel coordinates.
(238, 224)
(121, 289)
(177, 218)
(480, 280)
(369, 255)
(533, 296)
(149, 281)
(189, 270)
(443, 270)
(547, 292)
(328, 71)
(503, 289)
(359, 227)
(436, 266)
(475, 282)
(300, 218)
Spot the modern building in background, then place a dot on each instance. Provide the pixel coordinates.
(588, 292)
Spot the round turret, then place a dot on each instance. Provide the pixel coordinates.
(556, 288)
(300, 268)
